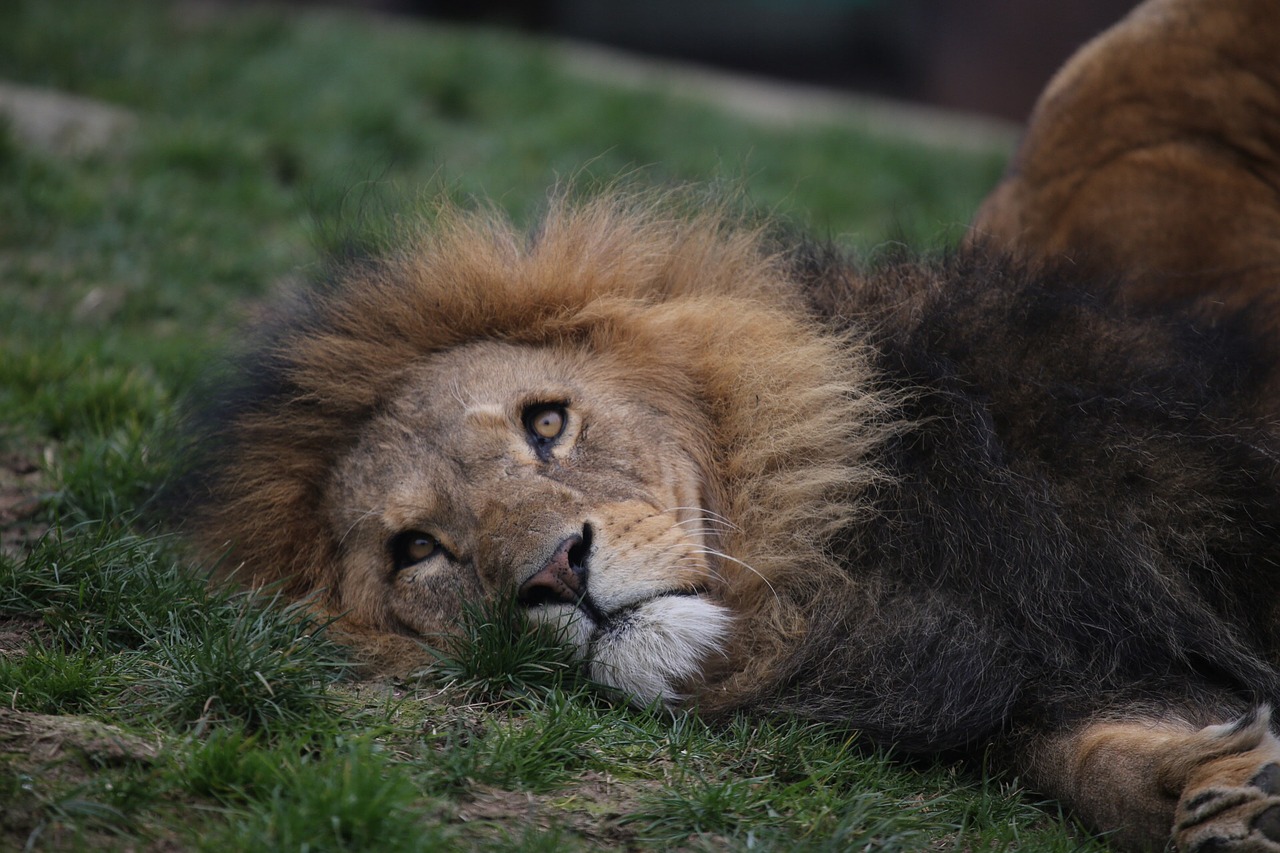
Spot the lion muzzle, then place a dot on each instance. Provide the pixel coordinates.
(563, 580)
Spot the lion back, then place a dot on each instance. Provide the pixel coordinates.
(1156, 151)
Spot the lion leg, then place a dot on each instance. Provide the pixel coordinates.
(1142, 782)
(1231, 799)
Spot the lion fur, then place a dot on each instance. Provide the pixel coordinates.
(1153, 152)
(1082, 507)
(971, 493)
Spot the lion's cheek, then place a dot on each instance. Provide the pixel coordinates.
(658, 645)
(430, 602)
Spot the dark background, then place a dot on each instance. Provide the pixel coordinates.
(989, 56)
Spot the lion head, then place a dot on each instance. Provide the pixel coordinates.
(628, 420)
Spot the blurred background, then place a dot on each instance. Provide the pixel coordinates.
(987, 56)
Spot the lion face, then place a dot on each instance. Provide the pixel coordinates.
(545, 472)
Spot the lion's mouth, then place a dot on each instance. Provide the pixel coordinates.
(644, 648)
(622, 617)
(601, 620)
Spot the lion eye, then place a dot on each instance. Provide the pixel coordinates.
(412, 547)
(545, 423)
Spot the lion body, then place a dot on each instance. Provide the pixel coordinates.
(992, 500)
(1043, 564)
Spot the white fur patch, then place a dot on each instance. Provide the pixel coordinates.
(651, 648)
(570, 624)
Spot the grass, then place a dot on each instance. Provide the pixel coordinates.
(143, 709)
(498, 656)
(127, 631)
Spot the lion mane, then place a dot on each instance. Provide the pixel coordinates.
(790, 417)
(1004, 498)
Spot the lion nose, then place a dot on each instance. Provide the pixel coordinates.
(563, 580)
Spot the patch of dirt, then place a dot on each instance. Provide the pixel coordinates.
(16, 634)
(592, 808)
(57, 123)
(23, 488)
(42, 739)
(39, 752)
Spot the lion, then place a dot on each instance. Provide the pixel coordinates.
(982, 502)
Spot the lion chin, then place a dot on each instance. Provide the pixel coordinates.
(976, 503)
(648, 650)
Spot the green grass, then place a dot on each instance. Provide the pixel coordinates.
(127, 631)
(497, 655)
(260, 139)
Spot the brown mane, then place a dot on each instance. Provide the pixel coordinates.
(793, 414)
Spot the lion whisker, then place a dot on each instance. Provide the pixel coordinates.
(359, 518)
(705, 515)
(700, 531)
(705, 570)
(712, 552)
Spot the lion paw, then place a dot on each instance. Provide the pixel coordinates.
(1232, 801)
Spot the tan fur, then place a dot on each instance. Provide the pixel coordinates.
(1138, 777)
(1155, 153)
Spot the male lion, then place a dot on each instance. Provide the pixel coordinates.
(953, 505)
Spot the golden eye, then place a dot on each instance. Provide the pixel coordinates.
(549, 423)
(412, 547)
(545, 423)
